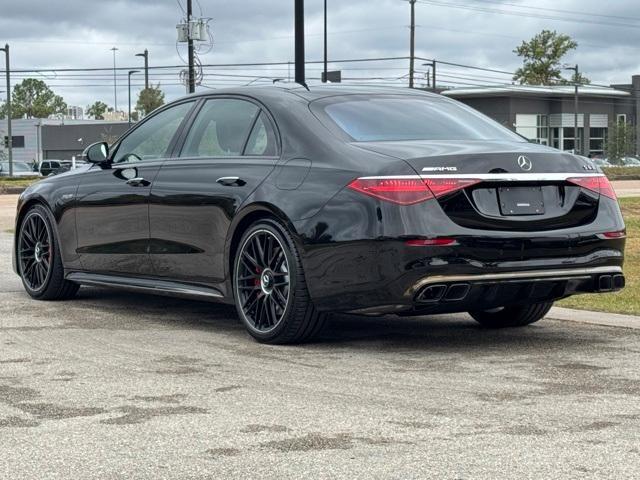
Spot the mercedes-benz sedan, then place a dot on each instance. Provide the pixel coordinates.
(293, 204)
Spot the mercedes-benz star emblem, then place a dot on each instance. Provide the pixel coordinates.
(524, 163)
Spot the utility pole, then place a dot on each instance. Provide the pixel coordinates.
(192, 73)
(412, 43)
(145, 54)
(324, 78)
(131, 72)
(299, 42)
(9, 137)
(115, 87)
(576, 147)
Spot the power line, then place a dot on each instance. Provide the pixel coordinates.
(557, 10)
(525, 14)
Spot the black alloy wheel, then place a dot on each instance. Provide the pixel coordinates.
(35, 249)
(270, 289)
(262, 280)
(38, 257)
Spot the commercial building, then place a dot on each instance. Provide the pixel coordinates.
(545, 114)
(41, 139)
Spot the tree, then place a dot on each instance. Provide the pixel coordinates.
(97, 110)
(621, 142)
(34, 99)
(542, 59)
(149, 99)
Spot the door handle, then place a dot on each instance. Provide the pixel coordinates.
(138, 182)
(231, 181)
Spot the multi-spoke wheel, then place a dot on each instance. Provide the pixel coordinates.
(269, 287)
(38, 257)
(34, 251)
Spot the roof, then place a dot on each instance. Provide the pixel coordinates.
(315, 91)
(533, 90)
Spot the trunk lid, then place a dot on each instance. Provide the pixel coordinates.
(521, 186)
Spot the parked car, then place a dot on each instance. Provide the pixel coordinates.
(601, 162)
(292, 204)
(630, 162)
(20, 169)
(53, 167)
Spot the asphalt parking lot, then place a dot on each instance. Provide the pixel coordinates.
(121, 385)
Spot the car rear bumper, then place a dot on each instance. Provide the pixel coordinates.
(389, 277)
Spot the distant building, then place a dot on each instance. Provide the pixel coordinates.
(546, 114)
(41, 139)
(74, 113)
(115, 116)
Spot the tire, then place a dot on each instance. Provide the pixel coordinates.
(270, 289)
(515, 316)
(38, 257)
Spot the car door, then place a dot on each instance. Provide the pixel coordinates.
(230, 148)
(112, 212)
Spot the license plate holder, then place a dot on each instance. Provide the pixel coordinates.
(521, 201)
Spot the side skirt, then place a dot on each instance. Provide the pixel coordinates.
(147, 285)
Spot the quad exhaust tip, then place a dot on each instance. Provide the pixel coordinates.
(610, 283)
(454, 292)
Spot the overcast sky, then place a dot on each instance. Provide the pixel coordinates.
(79, 34)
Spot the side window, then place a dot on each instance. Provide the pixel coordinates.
(153, 137)
(221, 128)
(262, 141)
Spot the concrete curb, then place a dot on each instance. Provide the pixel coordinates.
(595, 318)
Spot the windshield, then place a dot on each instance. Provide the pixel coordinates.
(17, 167)
(389, 118)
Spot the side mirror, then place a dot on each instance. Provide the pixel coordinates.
(96, 152)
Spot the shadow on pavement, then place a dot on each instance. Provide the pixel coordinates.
(444, 333)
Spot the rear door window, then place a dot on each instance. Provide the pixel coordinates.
(221, 129)
(262, 141)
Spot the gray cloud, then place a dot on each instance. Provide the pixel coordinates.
(79, 33)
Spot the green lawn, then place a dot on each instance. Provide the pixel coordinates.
(622, 173)
(628, 300)
(17, 181)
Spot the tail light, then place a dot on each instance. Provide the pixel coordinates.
(408, 191)
(431, 242)
(599, 185)
(612, 235)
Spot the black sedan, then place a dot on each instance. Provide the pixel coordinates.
(293, 204)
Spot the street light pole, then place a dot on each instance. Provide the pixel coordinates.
(131, 72)
(432, 64)
(575, 109)
(9, 137)
(145, 54)
(115, 87)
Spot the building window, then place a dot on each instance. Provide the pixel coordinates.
(621, 118)
(17, 142)
(563, 139)
(597, 137)
(569, 140)
(534, 127)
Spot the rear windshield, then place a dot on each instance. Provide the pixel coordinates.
(390, 118)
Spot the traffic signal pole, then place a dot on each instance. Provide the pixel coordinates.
(192, 73)
(9, 136)
(299, 40)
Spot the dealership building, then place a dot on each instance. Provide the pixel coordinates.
(547, 114)
(48, 139)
